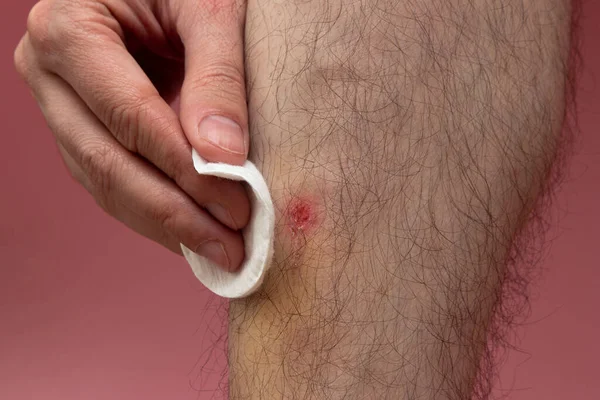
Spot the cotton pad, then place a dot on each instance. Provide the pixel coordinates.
(258, 234)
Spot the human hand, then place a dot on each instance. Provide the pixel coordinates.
(127, 88)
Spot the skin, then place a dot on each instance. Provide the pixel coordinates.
(424, 133)
(126, 133)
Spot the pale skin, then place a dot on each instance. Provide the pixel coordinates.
(406, 145)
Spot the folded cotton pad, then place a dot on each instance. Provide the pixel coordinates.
(258, 234)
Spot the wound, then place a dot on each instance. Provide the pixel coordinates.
(301, 216)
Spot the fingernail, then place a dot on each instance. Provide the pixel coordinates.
(222, 214)
(215, 252)
(223, 133)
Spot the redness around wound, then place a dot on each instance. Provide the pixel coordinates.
(301, 216)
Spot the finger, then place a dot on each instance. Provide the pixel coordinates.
(142, 226)
(129, 188)
(93, 60)
(214, 112)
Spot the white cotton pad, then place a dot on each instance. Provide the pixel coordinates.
(258, 234)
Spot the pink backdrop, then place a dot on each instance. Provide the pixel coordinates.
(88, 310)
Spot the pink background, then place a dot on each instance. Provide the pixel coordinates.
(89, 310)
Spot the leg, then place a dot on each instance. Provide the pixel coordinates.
(406, 143)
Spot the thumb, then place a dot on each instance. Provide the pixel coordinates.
(214, 112)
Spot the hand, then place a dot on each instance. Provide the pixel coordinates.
(111, 77)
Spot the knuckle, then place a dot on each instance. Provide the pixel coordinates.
(99, 162)
(173, 218)
(20, 61)
(38, 23)
(224, 79)
(28, 67)
(166, 216)
(160, 143)
(141, 126)
(57, 27)
(26, 64)
(125, 118)
(179, 169)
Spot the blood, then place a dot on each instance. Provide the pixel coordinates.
(301, 215)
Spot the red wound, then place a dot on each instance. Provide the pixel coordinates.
(301, 215)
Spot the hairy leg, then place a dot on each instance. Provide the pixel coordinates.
(405, 143)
